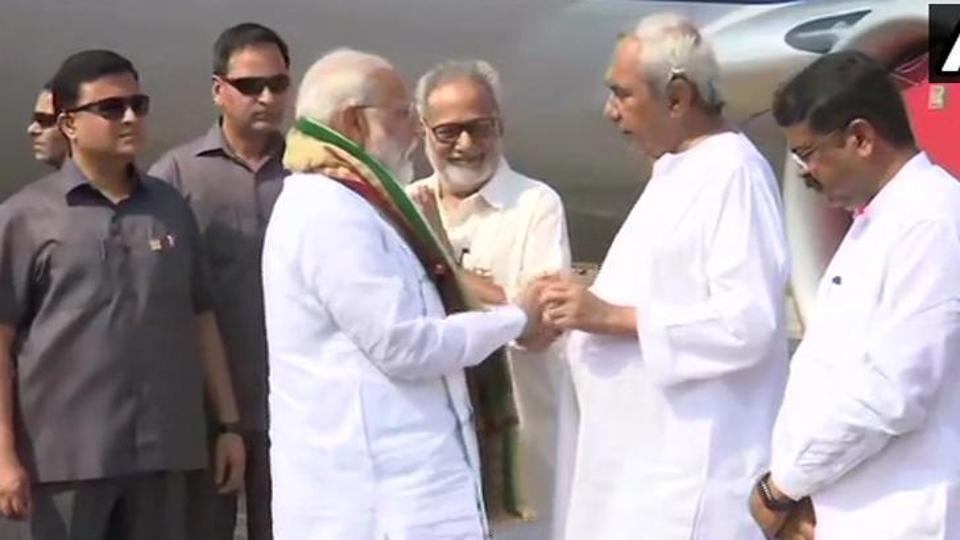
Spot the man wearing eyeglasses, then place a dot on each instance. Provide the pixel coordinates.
(678, 351)
(865, 444)
(507, 229)
(49, 145)
(232, 176)
(106, 332)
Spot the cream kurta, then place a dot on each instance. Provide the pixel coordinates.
(870, 423)
(514, 229)
(676, 426)
(370, 425)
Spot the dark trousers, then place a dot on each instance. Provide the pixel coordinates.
(211, 516)
(148, 506)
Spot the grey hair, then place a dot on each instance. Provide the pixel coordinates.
(480, 71)
(671, 46)
(339, 79)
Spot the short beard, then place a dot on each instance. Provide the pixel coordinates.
(463, 179)
(396, 159)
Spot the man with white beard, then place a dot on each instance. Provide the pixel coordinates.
(509, 229)
(370, 414)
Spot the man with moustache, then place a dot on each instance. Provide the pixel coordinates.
(106, 332)
(370, 417)
(678, 350)
(49, 144)
(510, 229)
(232, 176)
(865, 443)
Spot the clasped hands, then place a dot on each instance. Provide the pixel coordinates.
(555, 303)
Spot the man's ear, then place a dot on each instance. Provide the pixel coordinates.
(420, 128)
(864, 136)
(353, 124)
(216, 90)
(679, 95)
(66, 123)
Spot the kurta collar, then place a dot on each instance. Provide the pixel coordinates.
(887, 196)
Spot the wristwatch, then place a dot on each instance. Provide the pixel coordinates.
(771, 502)
(228, 427)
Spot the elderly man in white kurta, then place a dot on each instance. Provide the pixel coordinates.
(869, 429)
(370, 417)
(510, 228)
(679, 350)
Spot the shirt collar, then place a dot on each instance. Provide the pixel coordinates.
(499, 191)
(72, 178)
(887, 195)
(213, 142)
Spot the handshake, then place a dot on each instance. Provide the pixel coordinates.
(555, 303)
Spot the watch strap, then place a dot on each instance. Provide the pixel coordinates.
(769, 500)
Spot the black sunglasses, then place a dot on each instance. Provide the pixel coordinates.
(479, 129)
(253, 86)
(45, 120)
(116, 107)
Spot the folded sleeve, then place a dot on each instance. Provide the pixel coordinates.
(746, 274)
(17, 256)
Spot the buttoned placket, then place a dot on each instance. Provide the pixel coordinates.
(115, 253)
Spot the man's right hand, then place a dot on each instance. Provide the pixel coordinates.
(15, 501)
(536, 335)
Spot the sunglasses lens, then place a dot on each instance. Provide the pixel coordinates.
(116, 108)
(140, 105)
(111, 108)
(44, 120)
(278, 84)
(249, 86)
(253, 86)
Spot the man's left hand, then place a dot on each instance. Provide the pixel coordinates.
(801, 523)
(569, 305)
(229, 463)
(795, 523)
(426, 199)
(770, 522)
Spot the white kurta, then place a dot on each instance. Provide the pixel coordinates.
(369, 413)
(870, 423)
(675, 426)
(514, 229)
